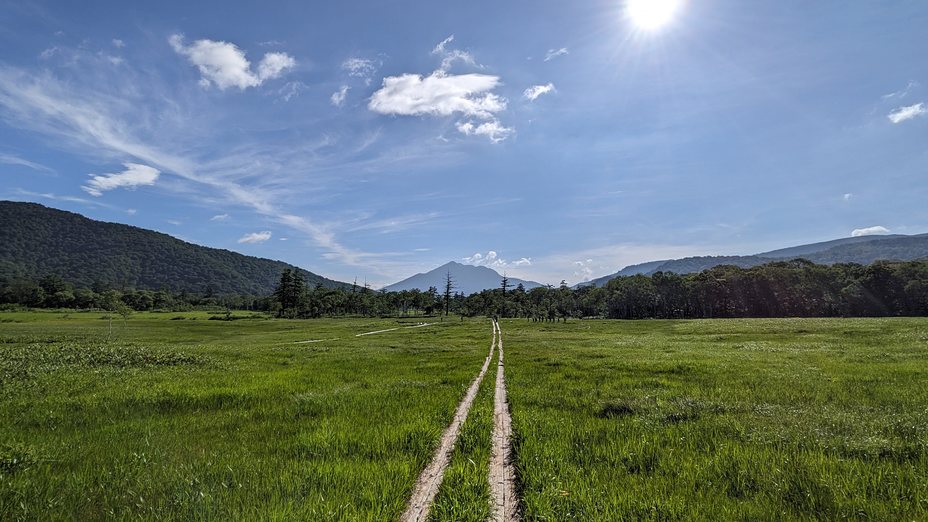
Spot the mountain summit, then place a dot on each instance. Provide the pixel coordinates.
(468, 279)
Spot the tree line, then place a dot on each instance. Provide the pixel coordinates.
(796, 288)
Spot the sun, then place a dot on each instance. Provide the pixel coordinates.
(650, 15)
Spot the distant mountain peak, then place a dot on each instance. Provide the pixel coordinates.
(468, 279)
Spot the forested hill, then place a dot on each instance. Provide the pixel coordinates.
(861, 250)
(36, 241)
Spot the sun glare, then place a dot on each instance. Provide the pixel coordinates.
(650, 15)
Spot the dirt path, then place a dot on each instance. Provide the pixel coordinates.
(427, 485)
(505, 502)
(392, 329)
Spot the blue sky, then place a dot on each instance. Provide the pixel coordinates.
(559, 140)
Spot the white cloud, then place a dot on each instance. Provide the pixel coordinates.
(283, 239)
(273, 65)
(533, 92)
(902, 93)
(360, 68)
(449, 56)
(869, 231)
(492, 260)
(491, 129)
(291, 90)
(220, 217)
(224, 65)
(440, 48)
(583, 270)
(443, 94)
(554, 53)
(135, 175)
(119, 44)
(131, 211)
(48, 53)
(175, 222)
(255, 237)
(10, 159)
(438, 94)
(338, 97)
(848, 196)
(907, 113)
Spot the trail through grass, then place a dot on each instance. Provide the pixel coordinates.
(195, 419)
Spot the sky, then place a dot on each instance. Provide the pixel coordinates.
(371, 140)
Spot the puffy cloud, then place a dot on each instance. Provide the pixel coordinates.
(869, 231)
(907, 113)
(583, 270)
(255, 237)
(224, 65)
(338, 97)
(492, 260)
(443, 94)
(135, 175)
(491, 129)
(533, 92)
(554, 53)
(438, 94)
(848, 196)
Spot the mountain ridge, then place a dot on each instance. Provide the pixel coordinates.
(862, 250)
(36, 240)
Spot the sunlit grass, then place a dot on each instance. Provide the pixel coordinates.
(721, 420)
(197, 419)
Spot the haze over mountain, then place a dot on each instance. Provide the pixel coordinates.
(862, 250)
(468, 279)
(36, 241)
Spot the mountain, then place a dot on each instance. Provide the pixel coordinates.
(863, 250)
(467, 279)
(642, 268)
(36, 241)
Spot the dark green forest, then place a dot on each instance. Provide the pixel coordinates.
(796, 288)
(37, 241)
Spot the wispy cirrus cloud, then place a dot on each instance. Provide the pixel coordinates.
(12, 159)
(362, 68)
(338, 97)
(224, 65)
(93, 122)
(555, 53)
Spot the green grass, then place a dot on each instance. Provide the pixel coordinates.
(198, 419)
(464, 494)
(722, 420)
(179, 417)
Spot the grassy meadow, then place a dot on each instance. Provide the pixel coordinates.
(175, 416)
(179, 417)
(787, 419)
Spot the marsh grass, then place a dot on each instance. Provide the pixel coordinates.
(724, 420)
(226, 420)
